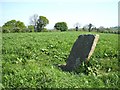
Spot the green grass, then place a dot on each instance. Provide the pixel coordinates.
(29, 59)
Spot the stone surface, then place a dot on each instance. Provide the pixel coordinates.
(81, 51)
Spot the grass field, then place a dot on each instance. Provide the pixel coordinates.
(29, 61)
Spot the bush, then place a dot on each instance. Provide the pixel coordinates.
(30, 28)
(45, 30)
(62, 26)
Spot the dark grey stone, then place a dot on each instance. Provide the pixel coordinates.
(81, 51)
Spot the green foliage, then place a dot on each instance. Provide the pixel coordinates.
(41, 23)
(5, 29)
(45, 30)
(0, 29)
(13, 26)
(29, 61)
(30, 28)
(16, 29)
(62, 26)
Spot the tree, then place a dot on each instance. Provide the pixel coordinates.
(85, 27)
(13, 26)
(89, 27)
(20, 26)
(41, 23)
(9, 26)
(33, 21)
(77, 25)
(62, 26)
(101, 29)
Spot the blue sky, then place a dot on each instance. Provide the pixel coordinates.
(98, 12)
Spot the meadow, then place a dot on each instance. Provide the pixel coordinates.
(29, 61)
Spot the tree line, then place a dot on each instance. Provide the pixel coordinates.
(38, 24)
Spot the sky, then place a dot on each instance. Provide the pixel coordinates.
(98, 12)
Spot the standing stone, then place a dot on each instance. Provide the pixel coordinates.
(81, 51)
